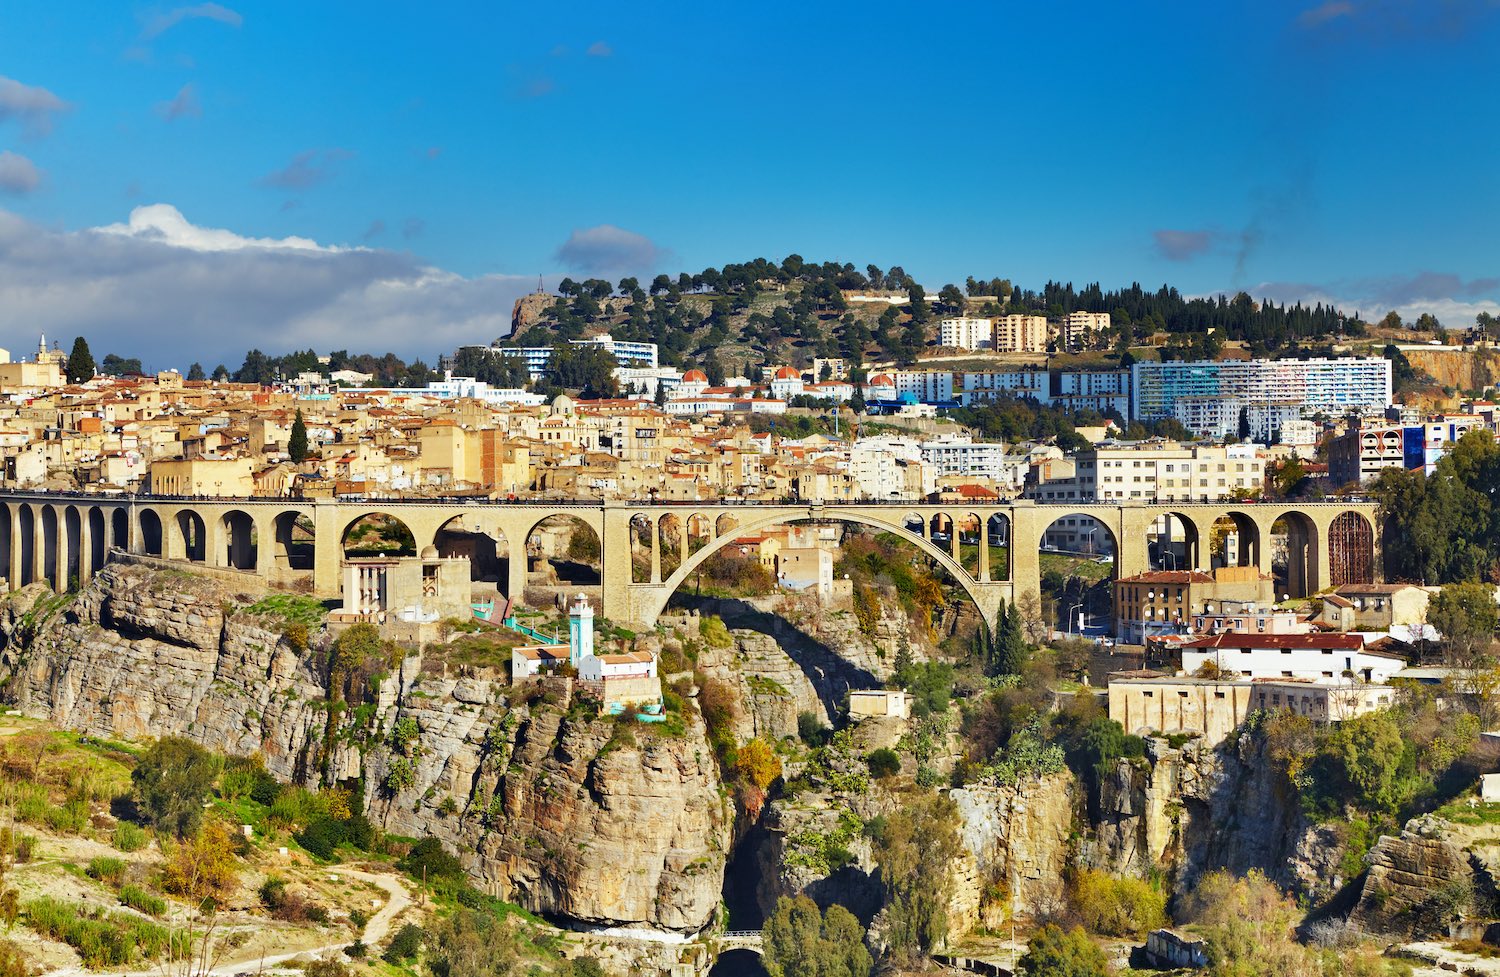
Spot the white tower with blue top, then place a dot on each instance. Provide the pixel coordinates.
(580, 630)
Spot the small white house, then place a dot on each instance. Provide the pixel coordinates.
(879, 703)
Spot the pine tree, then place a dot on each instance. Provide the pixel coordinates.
(80, 366)
(195, 372)
(296, 445)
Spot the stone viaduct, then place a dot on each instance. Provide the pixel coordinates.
(65, 538)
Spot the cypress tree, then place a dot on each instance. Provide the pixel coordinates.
(1011, 651)
(296, 445)
(80, 366)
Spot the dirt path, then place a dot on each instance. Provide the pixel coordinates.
(376, 931)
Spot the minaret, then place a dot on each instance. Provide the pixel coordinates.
(580, 630)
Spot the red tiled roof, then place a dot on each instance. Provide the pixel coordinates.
(1169, 576)
(1242, 639)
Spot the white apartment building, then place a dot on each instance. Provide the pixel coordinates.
(1081, 330)
(1329, 386)
(1104, 391)
(989, 385)
(954, 454)
(1017, 333)
(964, 332)
(928, 386)
(889, 467)
(536, 357)
(1164, 471)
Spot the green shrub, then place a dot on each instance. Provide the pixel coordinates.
(142, 901)
(430, 860)
(130, 837)
(105, 939)
(404, 945)
(883, 763)
(107, 869)
(325, 834)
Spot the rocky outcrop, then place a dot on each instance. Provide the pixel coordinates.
(543, 809)
(1017, 848)
(792, 854)
(771, 688)
(1416, 885)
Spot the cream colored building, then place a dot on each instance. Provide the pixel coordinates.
(230, 477)
(1151, 702)
(1162, 471)
(1018, 333)
(1081, 330)
(1320, 701)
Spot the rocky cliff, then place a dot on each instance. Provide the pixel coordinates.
(546, 810)
(1196, 809)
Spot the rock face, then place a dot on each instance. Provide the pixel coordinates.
(772, 688)
(542, 811)
(1417, 884)
(1198, 809)
(1017, 844)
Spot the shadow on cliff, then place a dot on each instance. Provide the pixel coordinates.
(831, 676)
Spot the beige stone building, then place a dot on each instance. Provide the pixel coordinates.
(224, 478)
(1018, 333)
(1152, 702)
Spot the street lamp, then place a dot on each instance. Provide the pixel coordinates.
(1090, 535)
(1068, 619)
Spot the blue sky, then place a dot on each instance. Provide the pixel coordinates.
(390, 176)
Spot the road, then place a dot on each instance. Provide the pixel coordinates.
(376, 931)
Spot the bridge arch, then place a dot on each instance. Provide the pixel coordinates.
(48, 557)
(119, 528)
(1351, 549)
(72, 571)
(1174, 543)
(487, 549)
(149, 521)
(98, 550)
(240, 542)
(192, 536)
(985, 596)
(375, 533)
(296, 537)
(1300, 574)
(1234, 539)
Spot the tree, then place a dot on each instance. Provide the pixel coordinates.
(915, 848)
(800, 941)
(221, 373)
(195, 372)
(296, 445)
(758, 763)
(80, 365)
(1011, 650)
(1054, 953)
(1465, 615)
(118, 366)
(661, 394)
(203, 868)
(170, 782)
(1248, 925)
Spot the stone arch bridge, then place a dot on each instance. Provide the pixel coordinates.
(65, 538)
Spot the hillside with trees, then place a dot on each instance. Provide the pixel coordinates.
(741, 316)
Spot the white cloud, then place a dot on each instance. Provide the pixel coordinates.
(165, 224)
(18, 174)
(171, 292)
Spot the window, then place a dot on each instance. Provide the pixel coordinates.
(1218, 695)
(1149, 694)
(1182, 694)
